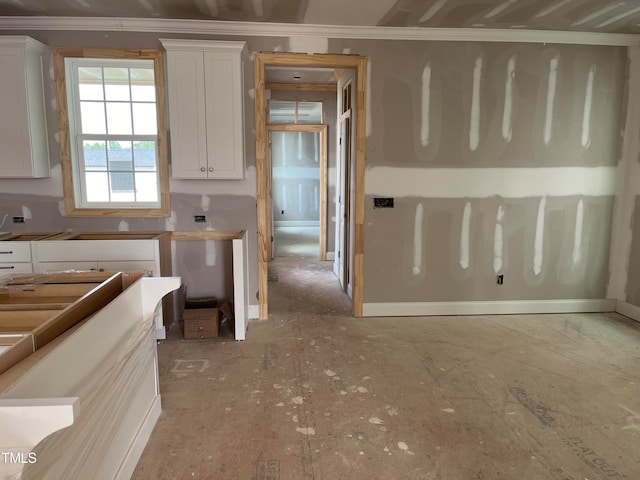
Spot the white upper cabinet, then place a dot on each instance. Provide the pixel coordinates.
(23, 126)
(206, 113)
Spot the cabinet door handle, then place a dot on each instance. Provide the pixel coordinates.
(211, 169)
(7, 268)
(202, 169)
(7, 253)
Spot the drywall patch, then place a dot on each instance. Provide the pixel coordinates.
(417, 240)
(507, 114)
(211, 253)
(586, 115)
(474, 128)
(577, 236)
(426, 101)
(205, 203)
(258, 7)
(498, 241)
(489, 182)
(170, 222)
(308, 44)
(435, 8)
(209, 7)
(465, 236)
(538, 243)
(61, 209)
(123, 226)
(26, 212)
(551, 96)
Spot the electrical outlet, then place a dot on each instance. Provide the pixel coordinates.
(18, 219)
(500, 279)
(199, 218)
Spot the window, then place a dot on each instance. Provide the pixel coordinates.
(295, 112)
(114, 155)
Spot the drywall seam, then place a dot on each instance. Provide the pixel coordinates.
(549, 10)
(474, 128)
(538, 243)
(507, 115)
(266, 29)
(498, 241)
(426, 104)
(499, 9)
(435, 8)
(629, 180)
(284, 196)
(577, 234)
(490, 182)
(417, 239)
(586, 116)
(596, 14)
(300, 198)
(619, 17)
(411, 309)
(551, 96)
(316, 205)
(465, 237)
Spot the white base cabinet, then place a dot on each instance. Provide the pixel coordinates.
(109, 252)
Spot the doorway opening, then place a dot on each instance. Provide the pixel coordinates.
(298, 164)
(352, 214)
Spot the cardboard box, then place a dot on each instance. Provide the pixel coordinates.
(202, 322)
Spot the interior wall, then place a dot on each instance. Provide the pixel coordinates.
(500, 162)
(328, 100)
(501, 159)
(295, 163)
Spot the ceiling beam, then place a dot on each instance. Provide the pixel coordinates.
(259, 29)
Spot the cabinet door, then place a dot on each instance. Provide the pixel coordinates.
(22, 117)
(187, 119)
(225, 119)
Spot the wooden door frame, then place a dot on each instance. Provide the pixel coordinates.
(359, 64)
(322, 130)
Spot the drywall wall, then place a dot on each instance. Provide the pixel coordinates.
(328, 100)
(295, 163)
(543, 122)
(503, 161)
(227, 204)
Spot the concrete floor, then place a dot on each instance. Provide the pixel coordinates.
(316, 394)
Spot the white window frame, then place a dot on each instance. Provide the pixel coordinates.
(66, 63)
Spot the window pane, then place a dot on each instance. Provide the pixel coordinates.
(97, 186)
(90, 83)
(144, 156)
(121, 182)
(143, 93)
(92, 115)
(119, 118)
(95, 155)
(116, 83)
(144, 119)
(282, 112)
(146, 186)
(120, 156)
(310, 112)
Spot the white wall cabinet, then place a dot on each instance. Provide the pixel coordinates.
(206, 112)
(23, 127)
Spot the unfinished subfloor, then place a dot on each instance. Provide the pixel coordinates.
(315, 394)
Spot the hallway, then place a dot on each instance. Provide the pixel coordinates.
(316, 394)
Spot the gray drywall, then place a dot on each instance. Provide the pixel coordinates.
(633, 273)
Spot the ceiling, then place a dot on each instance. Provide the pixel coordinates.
(608, 16)
(299, 75)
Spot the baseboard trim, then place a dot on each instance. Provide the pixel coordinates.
(628, 310)
(296, 223)
(254, 312)
(331, 256)
(418, 309)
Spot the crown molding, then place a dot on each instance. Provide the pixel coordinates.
(259, 29)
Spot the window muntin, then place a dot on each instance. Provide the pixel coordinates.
(113, 131)
(291, 112)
